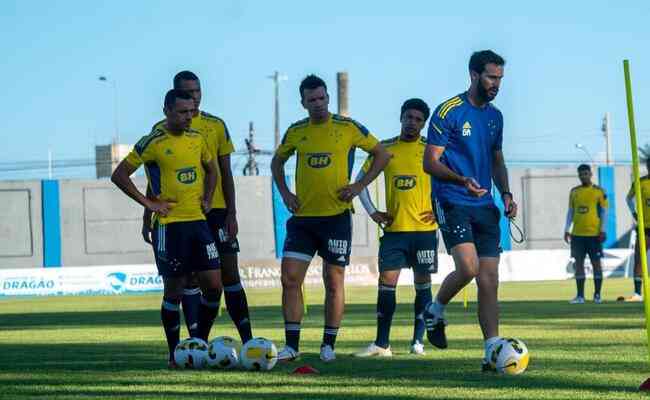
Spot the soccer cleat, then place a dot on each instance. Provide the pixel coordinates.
(577, 300)
(435, 329)
(373, 350)
(417, 348)
(288, 354)
(487, 367)
(171, 364)
(597, 299)
(635, 298)
(327, 353)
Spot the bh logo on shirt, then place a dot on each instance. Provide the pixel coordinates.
(583, 210)
(319, 160)
(186, 175)
(467, 129)
(404, 182)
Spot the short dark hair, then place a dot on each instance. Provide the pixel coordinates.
(184, 76)
(172, 95)
(584, 167)
(416, 104)
(311, 81)
(480, 59)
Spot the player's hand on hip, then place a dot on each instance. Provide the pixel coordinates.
(602, 237)
(205, 206)
(509, 205)
(160, 207)
(567, 237)
(232, 229)
(474, 188)
(348, 192)
(291, 201)
(428, 217)
(146, 233)
(382, 218)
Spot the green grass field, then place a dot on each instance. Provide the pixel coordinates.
(113, 347)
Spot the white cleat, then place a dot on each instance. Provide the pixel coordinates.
(327, 353)
(417, 348)
(597, 299)
(374, 351)
(288, 354)
(635, 298)
(577, 300)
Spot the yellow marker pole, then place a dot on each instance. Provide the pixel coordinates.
(637, 196)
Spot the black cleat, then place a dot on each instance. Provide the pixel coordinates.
(435, 330)
(486, 367)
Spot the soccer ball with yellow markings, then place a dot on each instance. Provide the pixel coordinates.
(259, 354)
(191, 353)
(222, 353)
(510, 356)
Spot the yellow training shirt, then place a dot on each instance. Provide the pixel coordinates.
(216, 135)
(586, 201)
(645, 199)
(175, 170)
(407, 186)
(325, 156)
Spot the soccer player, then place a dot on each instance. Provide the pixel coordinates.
(321, 221)
(588, 214)
(409, 239)
(183, 177)
(464, 155)
(631, 203)
(222, 217)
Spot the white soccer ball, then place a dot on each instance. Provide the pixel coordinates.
(259, 354)
(222, 353)
(191, 353)
(510, 356)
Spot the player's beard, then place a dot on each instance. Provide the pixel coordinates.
(485, 95)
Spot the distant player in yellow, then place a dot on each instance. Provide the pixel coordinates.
(409, 225)
(182, 177)
(222, 217)
(631, 203)
(586, 224)
(321, 223)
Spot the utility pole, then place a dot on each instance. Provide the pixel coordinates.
(251, 165)
(342, 93)
(608, 142)
(276, 77)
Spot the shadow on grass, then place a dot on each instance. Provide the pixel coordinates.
(563, 316)
(136, 370)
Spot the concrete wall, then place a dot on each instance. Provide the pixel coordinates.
(101, 226)
(21, 229)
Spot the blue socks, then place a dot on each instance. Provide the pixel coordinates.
(237, 306)
(385, 309)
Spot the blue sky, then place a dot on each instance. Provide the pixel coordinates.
(563, 72)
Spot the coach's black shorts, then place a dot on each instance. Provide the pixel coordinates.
(330, 237)
(583, 245)
(471, 224)
(181, 248)
(417, 250)
(216, 221)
